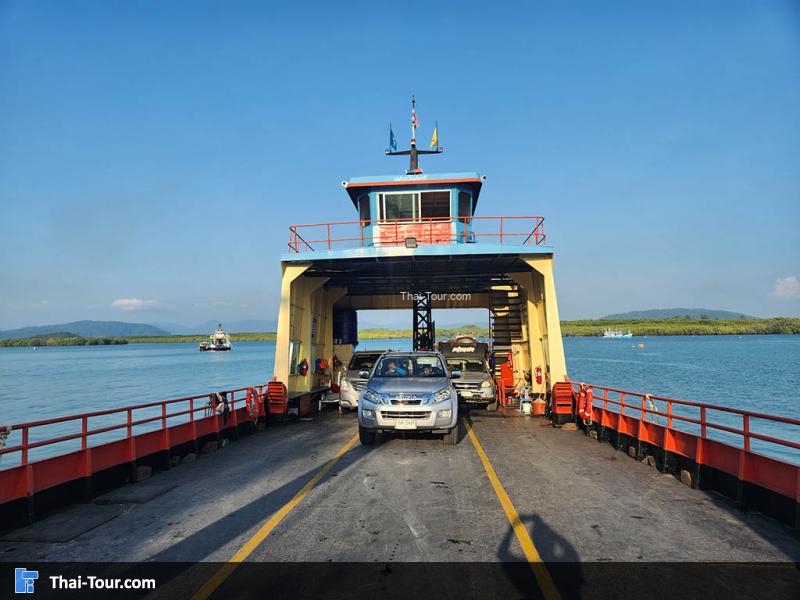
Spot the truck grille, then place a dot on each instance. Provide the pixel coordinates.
(408, 414)
(474, 386)
(358, 385)
(405, 399)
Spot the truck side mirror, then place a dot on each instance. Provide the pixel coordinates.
(455, 374)
(363, 374)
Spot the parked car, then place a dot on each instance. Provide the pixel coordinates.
(352, 383)
(476, 386)
(409, 391)
(470, 356)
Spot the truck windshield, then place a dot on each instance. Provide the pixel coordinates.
(362, 362)
(466, 365)
(410, 366)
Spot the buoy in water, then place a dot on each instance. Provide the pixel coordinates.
(641, 345)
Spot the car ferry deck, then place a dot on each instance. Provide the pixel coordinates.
(510, 492)
(241, 479)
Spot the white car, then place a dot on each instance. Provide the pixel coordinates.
(352, 383)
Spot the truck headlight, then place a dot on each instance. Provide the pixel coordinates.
(442, 395)
(487, 383)
(373, 397)
(345, 387)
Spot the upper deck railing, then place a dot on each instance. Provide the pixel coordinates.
(514, 230)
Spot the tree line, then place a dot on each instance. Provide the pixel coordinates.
(588, 327)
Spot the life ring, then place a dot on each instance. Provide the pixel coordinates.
(252, 400)
(585, 402)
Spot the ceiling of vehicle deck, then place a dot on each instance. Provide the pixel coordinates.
(437, 274)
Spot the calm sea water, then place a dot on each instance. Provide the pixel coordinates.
(758, 373)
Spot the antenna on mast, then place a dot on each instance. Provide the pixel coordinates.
(413, 152)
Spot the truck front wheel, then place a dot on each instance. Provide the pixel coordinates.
(366, 437)
(451, 437)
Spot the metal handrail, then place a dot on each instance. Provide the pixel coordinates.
(328, 237)
(293, 239)
(128, 423)
(703, 421)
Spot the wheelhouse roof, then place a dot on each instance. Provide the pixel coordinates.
(357, 185)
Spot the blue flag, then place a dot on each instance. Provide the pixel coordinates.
(392, 139)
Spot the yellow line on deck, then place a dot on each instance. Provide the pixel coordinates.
(247, 549)
(531, 553)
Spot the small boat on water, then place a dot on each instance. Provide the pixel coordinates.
(616, 333)
(219, 341)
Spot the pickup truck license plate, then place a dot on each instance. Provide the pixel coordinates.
(405, 424)
(466, 394)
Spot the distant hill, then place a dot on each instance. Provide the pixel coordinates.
(245, 326)
(85, 329)
(670, 313)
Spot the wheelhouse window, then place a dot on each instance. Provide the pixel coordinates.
(435, 205)
(414, 205)
(364, 213)
(464, 206)
(399, 206)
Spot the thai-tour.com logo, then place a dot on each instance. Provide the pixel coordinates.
(24, 580)
(431, 296)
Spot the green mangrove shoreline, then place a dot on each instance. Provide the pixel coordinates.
(585, 328)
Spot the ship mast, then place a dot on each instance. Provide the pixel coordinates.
(413, 152)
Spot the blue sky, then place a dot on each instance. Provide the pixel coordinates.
(153, 155)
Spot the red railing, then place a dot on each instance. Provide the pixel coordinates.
(128, 423)
(519, 230)
(70, 453)
(708, 434)
(646, 405)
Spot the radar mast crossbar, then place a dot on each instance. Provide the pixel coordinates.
(414, 152)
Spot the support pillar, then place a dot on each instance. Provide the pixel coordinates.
(290, 273)
(424, 329)
(556, 364)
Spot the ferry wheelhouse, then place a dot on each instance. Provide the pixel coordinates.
(417, 242)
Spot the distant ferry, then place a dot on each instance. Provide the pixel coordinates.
(616, 333)
(219, 341)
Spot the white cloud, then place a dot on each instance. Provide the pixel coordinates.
(786, 288)
(130, 304)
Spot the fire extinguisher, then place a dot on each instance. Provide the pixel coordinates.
(539, 375)
(302, 368)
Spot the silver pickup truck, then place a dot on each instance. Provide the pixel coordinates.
(409, 391)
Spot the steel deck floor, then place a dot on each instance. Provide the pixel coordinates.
(416, 499)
